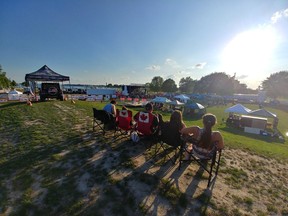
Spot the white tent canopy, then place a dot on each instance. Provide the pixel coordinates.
(161, 100)
(238, 108)
(15, 92)
(262, 113)
(14, 95)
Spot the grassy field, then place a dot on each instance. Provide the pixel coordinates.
(52, 163)
(263, 145)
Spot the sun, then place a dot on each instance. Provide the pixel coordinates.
(249, 50)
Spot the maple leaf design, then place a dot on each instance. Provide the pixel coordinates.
(143, 117)
(123, 113)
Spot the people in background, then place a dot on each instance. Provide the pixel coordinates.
(206, 137)
(111, 107)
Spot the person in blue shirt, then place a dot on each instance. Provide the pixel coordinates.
(111, 107)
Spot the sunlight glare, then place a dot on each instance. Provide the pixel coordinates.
(287, 134)
(250, 50)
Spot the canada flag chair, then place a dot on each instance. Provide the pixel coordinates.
(147, 126)
(124, 121)
(145, 123)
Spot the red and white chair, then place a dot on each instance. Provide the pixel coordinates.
(124, 120)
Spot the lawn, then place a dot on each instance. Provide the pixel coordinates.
(235, 138)
(52, 163)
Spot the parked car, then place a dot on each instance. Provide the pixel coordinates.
(51, 90)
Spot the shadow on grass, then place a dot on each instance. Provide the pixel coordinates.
(17, 103)
(26, 159)
(75, 169)
(195, 117)
(11, 104)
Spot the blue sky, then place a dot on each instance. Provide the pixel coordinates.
(125, 41)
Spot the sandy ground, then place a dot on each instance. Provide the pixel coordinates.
(247, 184)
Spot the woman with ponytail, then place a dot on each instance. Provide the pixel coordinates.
(205, 139)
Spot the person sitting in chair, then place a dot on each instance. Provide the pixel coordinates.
(124, 118)
(204, 138)
(111, 108)
(146, 121)
(176, 121)
(170, 131)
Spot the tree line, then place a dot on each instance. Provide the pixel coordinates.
(5, 83)
(220, 83)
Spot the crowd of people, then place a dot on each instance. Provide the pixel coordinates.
(148, 123)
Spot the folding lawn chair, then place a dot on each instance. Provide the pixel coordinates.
(145, 123)
(169, 139)
(124, 121)
(103, 120)
(145, 128)
(208, 160)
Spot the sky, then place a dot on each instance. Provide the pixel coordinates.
(131, 41)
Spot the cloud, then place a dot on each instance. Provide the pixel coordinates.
(171, 62)
(200, 65)
(153, 68)
(279, 15)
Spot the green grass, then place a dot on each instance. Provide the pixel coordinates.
(47, 143)
(237, 177)
(262, 145)
(171, 193)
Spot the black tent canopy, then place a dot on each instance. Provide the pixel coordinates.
(46, 74)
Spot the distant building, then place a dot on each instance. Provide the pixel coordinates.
(102, 93)
(258, 98)
(134, 89)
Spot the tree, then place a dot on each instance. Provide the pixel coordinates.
(186, 85)
(25, 83)
(218, 82)
(169, 85)
(276, 85)
(156, 84)
(4, 81)
(13, 83)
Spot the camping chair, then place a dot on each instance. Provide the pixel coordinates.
(208, 160)
(124, 121)
(103, 120)
(169, 138)
(145, 128)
